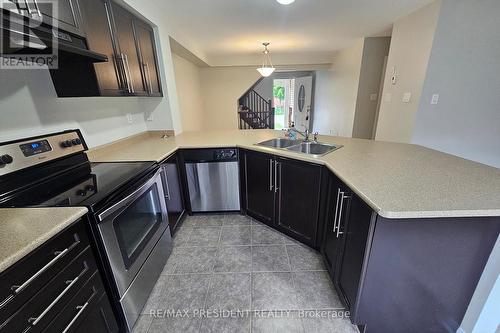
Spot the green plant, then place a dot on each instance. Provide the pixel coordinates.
(279, 92)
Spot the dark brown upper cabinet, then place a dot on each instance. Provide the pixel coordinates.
(67, 15)
(128, 53)
(147, 51)
(100, 39)
(63, 14)
(129, 42)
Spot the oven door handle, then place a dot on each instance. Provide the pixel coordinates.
(122, 204)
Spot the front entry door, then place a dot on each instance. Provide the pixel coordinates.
(302, 102)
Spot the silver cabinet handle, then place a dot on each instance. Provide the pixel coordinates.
(148, 78)
(167, 186)
(81, 309)
(35, 11)
(271, 175)
(276, 164)
(129, 74)
(35, 320)
(336, 210)
(121, 64)
(342, 197)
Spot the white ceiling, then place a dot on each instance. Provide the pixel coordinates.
(228, 29)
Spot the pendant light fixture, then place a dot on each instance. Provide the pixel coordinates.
(267, 66)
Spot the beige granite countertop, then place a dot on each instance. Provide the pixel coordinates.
(24, 229)
(396, 180)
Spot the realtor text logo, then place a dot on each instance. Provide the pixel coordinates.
(29, 34)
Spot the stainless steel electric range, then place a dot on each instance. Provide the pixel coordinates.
(127, 212)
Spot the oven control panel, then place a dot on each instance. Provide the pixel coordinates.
(24, 153)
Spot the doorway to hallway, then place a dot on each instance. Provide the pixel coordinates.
(291, 102)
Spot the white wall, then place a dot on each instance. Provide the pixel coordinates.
(482, 313)
(29, 105)
(188, 85)
(336, 92)
(464, 68)
(375, 50)
(411, 44)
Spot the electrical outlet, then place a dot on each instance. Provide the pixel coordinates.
(150, 117)
(373, 97)
(130, 119)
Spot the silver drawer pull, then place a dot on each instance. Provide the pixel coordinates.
(276, 176)
(81, 309)
(336, 210)
(270, 175)
(35, 320)
(59, 254)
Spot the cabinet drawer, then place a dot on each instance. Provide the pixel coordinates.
(51, 299)
(24, 279)
(88, 311)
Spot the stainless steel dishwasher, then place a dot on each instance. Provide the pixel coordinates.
(213, 179)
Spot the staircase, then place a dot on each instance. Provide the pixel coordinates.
(255, 112)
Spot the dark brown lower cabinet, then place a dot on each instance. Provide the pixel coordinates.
(346, 240)
(285, 194)
(299, 190)
(56, 288)
(333, 242)
(259, 186)
(355, 231)
(403, 275)
(172, 188)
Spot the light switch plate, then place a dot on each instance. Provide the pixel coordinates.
(407, 97)
(435, 99)
(130, 119)
(150, 117)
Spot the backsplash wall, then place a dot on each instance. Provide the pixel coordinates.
(29, 106)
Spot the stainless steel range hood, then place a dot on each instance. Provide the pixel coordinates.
(29, 44)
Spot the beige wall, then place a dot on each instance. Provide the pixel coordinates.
(411, 44)
(374, 52)
(337, 91)
(221, 87)
(189, 93)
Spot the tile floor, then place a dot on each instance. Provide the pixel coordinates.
(229, 273)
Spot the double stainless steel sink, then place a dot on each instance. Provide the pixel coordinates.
(312, 148)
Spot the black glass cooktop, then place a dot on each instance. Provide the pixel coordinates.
(85, 185)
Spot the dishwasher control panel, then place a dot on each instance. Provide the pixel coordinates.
(206, 155)
(225, 154)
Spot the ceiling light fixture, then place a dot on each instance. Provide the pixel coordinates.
(267, 66)
(285, 2)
